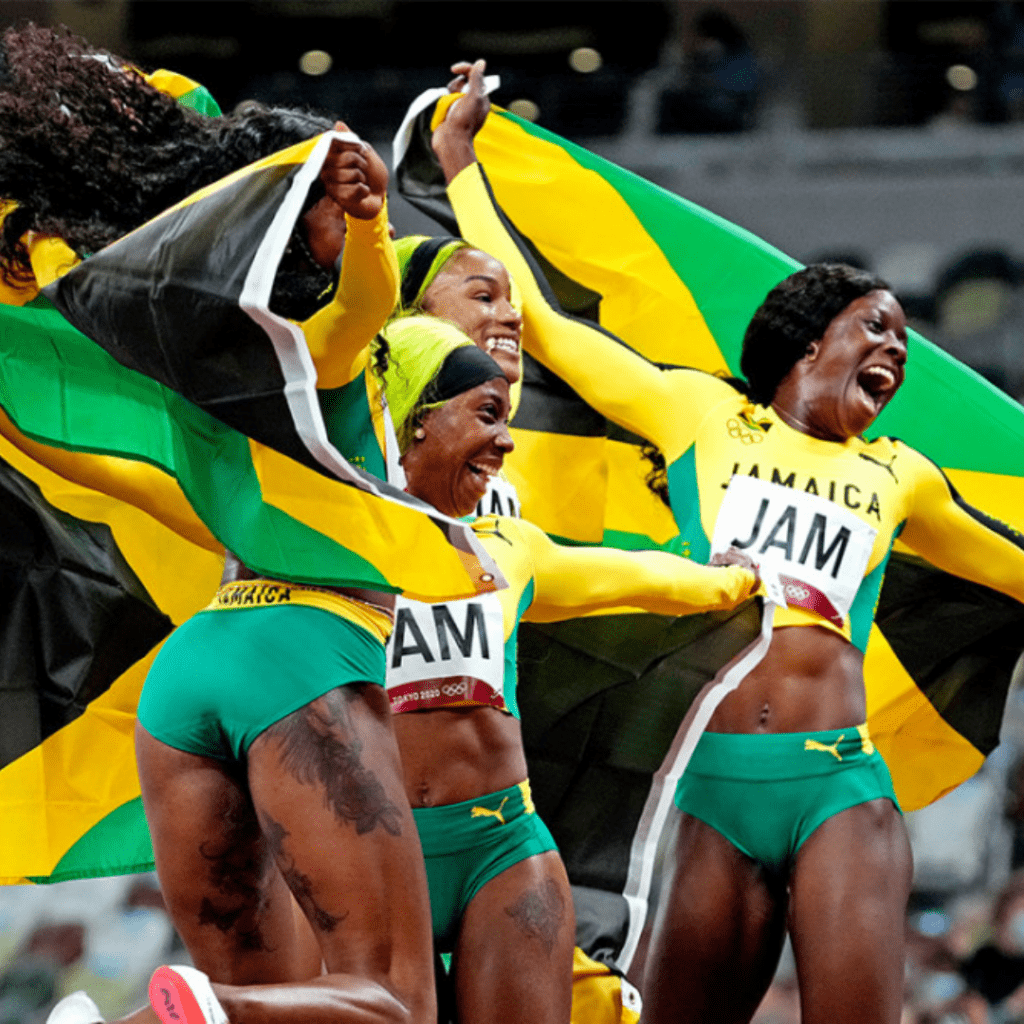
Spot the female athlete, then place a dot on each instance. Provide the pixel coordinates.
(499, 893)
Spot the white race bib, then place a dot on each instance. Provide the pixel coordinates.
(501, 499)
(435, 642)
(811, 552)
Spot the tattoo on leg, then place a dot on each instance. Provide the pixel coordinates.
(239, 871)
(539, 913)
(320, 746)
(300, 884)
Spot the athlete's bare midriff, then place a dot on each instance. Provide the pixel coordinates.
(810, 679)
(236, 570)
(455, 754)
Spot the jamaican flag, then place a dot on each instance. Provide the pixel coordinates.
(93, 584)
(90, 587)
(189, 369)
(602, 698)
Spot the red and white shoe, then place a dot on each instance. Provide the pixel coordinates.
(183, 995)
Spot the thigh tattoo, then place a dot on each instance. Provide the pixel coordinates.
(539, 913)
(320, 747)
(239, 871)
(300, 884)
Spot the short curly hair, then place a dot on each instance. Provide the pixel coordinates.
(794, 313)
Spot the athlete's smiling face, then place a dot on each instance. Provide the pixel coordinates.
(459, 447)
(473, 291)
(847, 377)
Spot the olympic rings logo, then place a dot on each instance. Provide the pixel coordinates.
(743, 433)
(455, 689)
(795, 592)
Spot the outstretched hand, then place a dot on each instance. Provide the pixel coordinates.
(452, 140)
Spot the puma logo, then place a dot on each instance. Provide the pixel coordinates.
(484, 812)
(833, 749)
(169, 1004)
(887, 466)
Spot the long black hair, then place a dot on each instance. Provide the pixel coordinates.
(89, 150)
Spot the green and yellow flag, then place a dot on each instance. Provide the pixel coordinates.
(98, 583)
(602, 698)
(92, 585)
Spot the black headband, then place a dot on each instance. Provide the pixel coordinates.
(464, 369)
(420, 262)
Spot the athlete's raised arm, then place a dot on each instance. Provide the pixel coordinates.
(662, 406)
(572, 581)
(957, 538)
(137, 483)
(339, 334)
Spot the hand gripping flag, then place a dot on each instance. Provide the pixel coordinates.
(602, 699)
(189, 369)
(111, 581)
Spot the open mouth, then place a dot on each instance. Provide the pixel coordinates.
(482, 473)
(877, 383)
(509, 345)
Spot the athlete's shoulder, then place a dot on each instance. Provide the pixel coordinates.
(702, 390)
(914, 464)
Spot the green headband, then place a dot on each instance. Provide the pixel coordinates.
(420, 260)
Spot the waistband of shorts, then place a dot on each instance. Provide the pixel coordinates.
(453, 827)
(243, 595)
(780, 755)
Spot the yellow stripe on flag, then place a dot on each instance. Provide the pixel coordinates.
(567, 482)
(926, 756)
(551, 198)
(54, 794)
(631, 506)
(171, 82)
(392, 537)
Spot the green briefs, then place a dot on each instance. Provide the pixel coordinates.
(767, 792)
(467, 844)
(233, 670)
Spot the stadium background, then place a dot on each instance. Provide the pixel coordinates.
(890, 134)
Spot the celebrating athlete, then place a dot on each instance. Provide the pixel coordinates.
(499, 893)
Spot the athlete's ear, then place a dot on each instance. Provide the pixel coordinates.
(811, 352)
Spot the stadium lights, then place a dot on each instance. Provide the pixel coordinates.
(961, 77)
(585, 59)
(315, 62)
(526, 109)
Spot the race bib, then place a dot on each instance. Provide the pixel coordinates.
(433, 643)
(812, 553)
(501, 499)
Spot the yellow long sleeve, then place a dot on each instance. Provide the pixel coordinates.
(339, 335)
(662, 406)
(137, 483)
(943, 530)
(574, 581)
